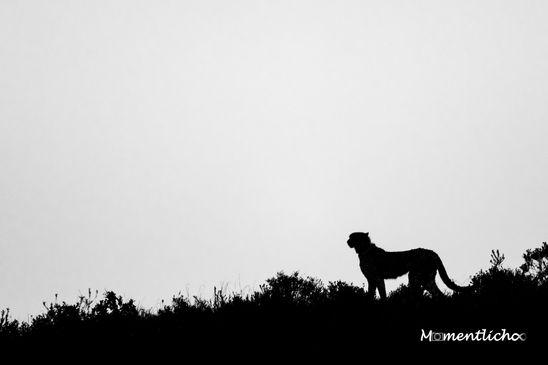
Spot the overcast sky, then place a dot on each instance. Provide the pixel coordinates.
(152, 147)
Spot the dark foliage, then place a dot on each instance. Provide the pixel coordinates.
(291, 310)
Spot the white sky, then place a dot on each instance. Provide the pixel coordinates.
(155, 146)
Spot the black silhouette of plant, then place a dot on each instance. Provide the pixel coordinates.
(291, 289)
(536, 263)
(8, 327)
(496, 260)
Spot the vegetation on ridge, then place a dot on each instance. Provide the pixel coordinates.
(293, 308)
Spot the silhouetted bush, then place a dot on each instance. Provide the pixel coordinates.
(536, 264)
(8, 328)
(290, 290)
